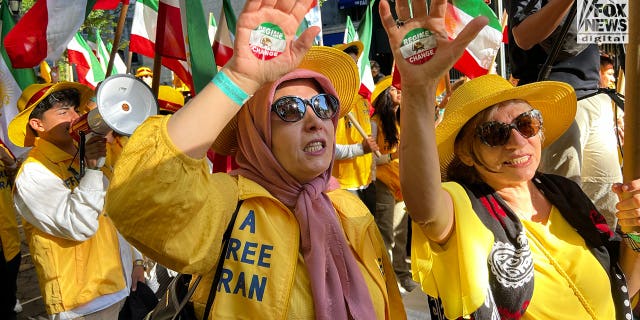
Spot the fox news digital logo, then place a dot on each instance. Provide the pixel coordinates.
(603, 21)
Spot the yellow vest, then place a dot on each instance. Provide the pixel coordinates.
(261, 276)
(388, 173)
(356, 172)
(8, 225)
(72, 273)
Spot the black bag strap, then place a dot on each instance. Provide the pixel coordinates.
(553, 55)
(216, 277)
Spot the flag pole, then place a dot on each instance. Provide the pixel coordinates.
(358, 127)
(116, 39)
(503, 24)
(631, 148)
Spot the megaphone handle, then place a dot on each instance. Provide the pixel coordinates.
(101, 161)
(81, 152)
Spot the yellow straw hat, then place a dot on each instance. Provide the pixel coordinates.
(555, 100)
(382, 85)
(143, 71)
(358, 44)
(18, 130)
(332, 63)
(170, 99)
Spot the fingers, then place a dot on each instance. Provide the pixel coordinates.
(419, 9)
(438, 8)
(403, 9)
(301, 45)
(385, 16)
(300, 9)
(630, 203)
(469, 33)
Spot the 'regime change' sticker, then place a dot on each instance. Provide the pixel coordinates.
(418, 46)
(267, 41)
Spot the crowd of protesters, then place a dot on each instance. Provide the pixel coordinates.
(512, 194)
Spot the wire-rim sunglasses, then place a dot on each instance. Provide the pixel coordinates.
(495, 133)
(293, 109)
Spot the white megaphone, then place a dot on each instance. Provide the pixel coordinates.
(123, 103)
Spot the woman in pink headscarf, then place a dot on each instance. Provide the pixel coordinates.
(297, 250)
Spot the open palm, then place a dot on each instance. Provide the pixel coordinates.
(447, 52)
(287, 15)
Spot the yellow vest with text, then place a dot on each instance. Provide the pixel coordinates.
(72, 273)
(9, 235)
(356, 172)
(182, 211)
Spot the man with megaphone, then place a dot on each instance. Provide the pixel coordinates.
(84, 266)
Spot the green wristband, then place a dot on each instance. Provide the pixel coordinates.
(230, 89)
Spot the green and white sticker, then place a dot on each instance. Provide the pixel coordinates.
(418, 46)
(267, 41)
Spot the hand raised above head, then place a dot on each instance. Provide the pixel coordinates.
(412, 38)
(265, 48)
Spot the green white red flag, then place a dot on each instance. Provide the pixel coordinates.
(46, 29)
(481, 52)
(12, 82)
(103, 52)
(225, 34)
(178, 29)
(213, 27)
(88, 67)
(364, 33)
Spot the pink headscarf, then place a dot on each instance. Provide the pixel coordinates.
(338, 287)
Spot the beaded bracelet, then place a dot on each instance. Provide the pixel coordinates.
(230, 88)
(632, 240)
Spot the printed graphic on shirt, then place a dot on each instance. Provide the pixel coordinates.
(250, 286)
(267, 41)
(6, 182)
(418, 46)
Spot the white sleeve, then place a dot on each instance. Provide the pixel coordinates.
(44, 201)
(348, 151)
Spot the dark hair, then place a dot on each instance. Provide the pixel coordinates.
(384, 106)
(66, 97)
(352, 49)
(605, 60)
(374, 64)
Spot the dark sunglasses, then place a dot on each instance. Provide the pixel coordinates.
(494, 133)
(292, 109)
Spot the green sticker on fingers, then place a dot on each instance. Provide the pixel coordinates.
(267, 41)
(418, 46)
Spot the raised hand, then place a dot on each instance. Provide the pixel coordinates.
(447, 52)
(255, 33)
(629, 206)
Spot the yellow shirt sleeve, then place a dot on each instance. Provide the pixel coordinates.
(456, 271)
(167, 204)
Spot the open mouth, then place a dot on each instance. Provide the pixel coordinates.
(519, 160)
(314, 146)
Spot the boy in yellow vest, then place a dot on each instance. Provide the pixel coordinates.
(84, 266)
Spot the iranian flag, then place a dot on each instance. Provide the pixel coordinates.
(45, 30)
(103, 53)
(89, 70)
(175, 29)
(481, 52)
(213, 27)
(364, 33)
(225, 35)
(12, 82)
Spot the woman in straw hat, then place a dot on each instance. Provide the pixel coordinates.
(500, 240)
(296, 250)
